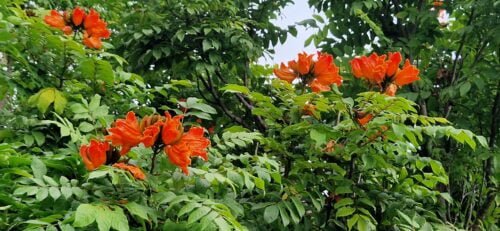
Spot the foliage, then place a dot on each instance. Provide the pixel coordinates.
(283, 155)
(457, 59)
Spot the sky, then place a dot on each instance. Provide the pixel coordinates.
(290, 15)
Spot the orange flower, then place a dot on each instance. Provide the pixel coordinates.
(128, 133)
(372, 68)
(125, 133)
(94, 154)
(193, 143)
(407, 75)
(91, 42)
(377, 70)
(55, 19)
(286, 73)
(134, 170)
(325, 73)
(172, 129)
(180, 146)
(78, 16)
(179, 154)
(365, 119)
(196, 142)
(319, 75)
(95, 29)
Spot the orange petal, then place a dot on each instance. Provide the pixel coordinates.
(284, 73)
(195, 140)
(78, 16)
(304, 63)
(55, 19)
(316, 86)
(356, 68)
(393, 63)
(134, 170)
(364, 120)
(407, 75)
(179, 154)
(172, 129)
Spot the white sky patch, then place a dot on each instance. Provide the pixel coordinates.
(290, 15)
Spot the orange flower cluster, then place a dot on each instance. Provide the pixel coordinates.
(127, 133)
(180, 146)
(384, 71)
(93, 27)
(319, 74)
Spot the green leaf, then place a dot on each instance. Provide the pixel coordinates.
(28, 140)
(85, 215)
(206, 45)
(203, 107)
(285, 218)
(54, 193)
(59, 102)
(66, 192)
(29, 190)
(464, 88)
(50, 181)
(45, 98)
(234, 88)
(343, 202)
(299, 206)
(86, 127)
(345, 211)
(318, 136)
(259, 183)
(363, 223)
(271, 213)
(188, 208)
(42, 194)
(102, 217)
(118, 218)
(198, 214)
(343, 190)
(436, 167)
(38, 167)
(222, 223)
(105, 72)
(352, 221)
(447, 197)
(137, 209)
(97, 174)
(39, 137)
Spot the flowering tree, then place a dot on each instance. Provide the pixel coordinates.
(88, 145)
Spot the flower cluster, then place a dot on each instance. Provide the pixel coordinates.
(318, 74)
(384, 71)
(127, 133)
(92, 26)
